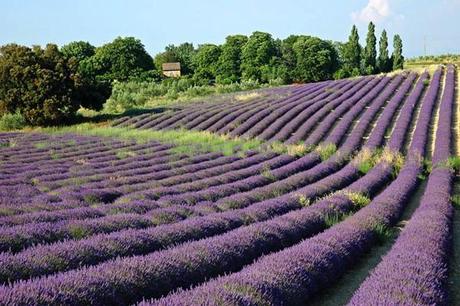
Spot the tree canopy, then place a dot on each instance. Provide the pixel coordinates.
(39, 83)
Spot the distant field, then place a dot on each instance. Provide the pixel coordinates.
(337, 192)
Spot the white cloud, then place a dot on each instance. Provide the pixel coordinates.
(375, 10)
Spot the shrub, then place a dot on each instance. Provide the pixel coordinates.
(9, 122)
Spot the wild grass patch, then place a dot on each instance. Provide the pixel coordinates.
(185, 141)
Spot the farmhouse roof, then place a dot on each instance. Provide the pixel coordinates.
(171, 66)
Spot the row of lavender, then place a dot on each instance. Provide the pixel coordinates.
(413, 273)
(133, 290)
(249, 230)
(290, 118)
(17, 237)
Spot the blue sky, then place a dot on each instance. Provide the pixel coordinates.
(158, 23)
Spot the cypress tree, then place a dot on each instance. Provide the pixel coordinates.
(352, 50)
(370, 51)
(398, 58)
(383, 60)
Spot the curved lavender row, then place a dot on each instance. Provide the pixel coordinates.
(262, 113)
(364, 121)
(184, 115)
(232, 116)
(420, 137)
(104, 169)
(301, 112)
(311, 123)
(348, 108)
(295, 181)
(244, 117)
(221, 255)
(191, 120)
(68, 153)
(101, 155)
(293, 275)
(234, 121)
(212, 178)
(84, 212)
(240, 108)
(129, 120)
(285, 178)
(129, 242)
(230, 121)
(178, 117)
(273, 116)
(24, 208)
(407, 112)
(378, 176)
(31, 233)
(444, 137)
(152, 176)
(285, 126)
(233, 110)
(415, 271)
(377, 136)
(19, 237)
(371, 112)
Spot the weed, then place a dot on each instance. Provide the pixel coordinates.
(325, 151)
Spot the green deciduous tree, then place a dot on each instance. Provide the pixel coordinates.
(80, 50)
(121, 60)
(383, 61)
(288, 57)
(39, 83)
(229, 65)
(316, 59)
(370, 51)
(205, 62)
(397, 57)
(259, 51)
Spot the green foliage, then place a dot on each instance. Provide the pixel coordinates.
(359, 200)
(456, 201)
(454, 163)
(316, 59)
(39, 83)
(382, 232)
(205, 62)
(304, 201)
(351, 52)
(10, 122)
(80, 50)
(326, 151)
(259, 51)
(229, 65)
(122, 59)
(183, 53)
(265, 172)
(332, 219)
(398, 58)
(288, 56)
(133, 94)
(383, 61)
(370, 52)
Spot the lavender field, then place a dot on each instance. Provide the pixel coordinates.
(93, 220)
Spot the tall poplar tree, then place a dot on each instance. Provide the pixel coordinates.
(370, 51)
(383, 61)
(398, 58)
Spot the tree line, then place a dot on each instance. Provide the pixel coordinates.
(47, 85)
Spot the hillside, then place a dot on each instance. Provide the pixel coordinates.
(333, 192)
